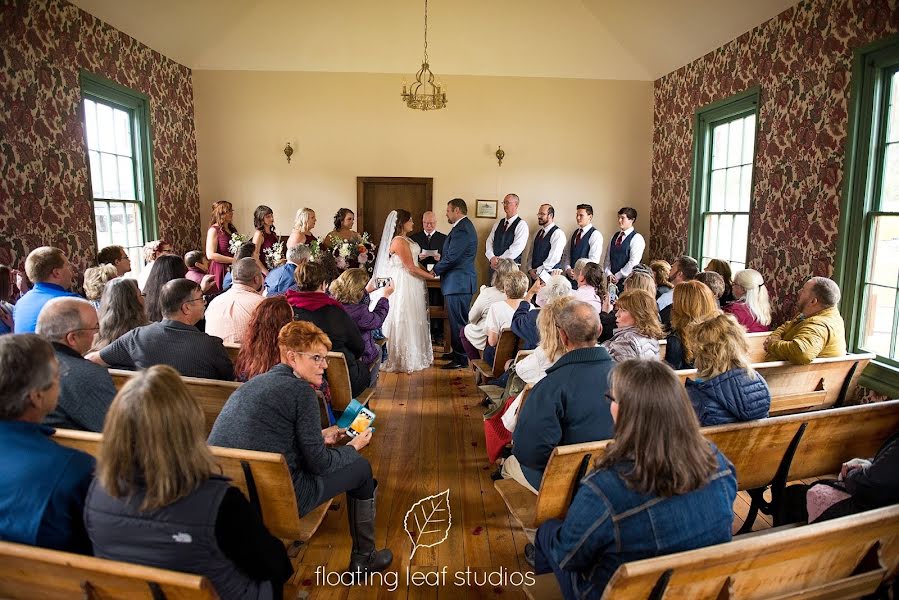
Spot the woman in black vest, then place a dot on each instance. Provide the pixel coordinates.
(155, 470)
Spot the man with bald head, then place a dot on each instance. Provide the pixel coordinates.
(85, 389)
(817, 332)
(509, 235)
(228, 314)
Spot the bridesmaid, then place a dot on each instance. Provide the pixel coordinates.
(264, 236)
(343, 228)
(302, 228)
(218, 238)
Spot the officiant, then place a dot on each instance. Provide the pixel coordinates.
(431, 241)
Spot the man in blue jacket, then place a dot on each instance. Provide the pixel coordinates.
(568, 406)
(458, 280)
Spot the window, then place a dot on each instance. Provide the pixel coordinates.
(118, 143)
(868, 257)
(724, 147)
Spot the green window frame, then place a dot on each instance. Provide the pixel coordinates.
(120, 165)
(867, 262)
(723, 179)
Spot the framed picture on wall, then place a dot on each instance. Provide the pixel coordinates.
(485, 209)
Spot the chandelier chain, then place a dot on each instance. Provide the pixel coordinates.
(426, 30)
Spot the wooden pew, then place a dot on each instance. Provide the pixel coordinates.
(755, 341)
(823, 383)
(263, 477)
(338, 375)
(30, 572)
(506, 347)
(768, 452)
(233, 350)
(848, 557)
(210, 393)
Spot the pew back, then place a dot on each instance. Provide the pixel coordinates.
(506, 347)
(210, 393)
(233, 350)
(30, 572)
(338, 376)
(754, 341)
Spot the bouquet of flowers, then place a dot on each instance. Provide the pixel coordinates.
(274, 255)
(351, 253)
(236, 242)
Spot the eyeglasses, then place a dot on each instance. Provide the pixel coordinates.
(316, 358)
(97, 328)
(195, 300)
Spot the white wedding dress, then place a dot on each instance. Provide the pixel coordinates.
(407, 327)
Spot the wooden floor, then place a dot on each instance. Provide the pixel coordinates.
(429, 437)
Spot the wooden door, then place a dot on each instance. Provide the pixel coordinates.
(377, 196)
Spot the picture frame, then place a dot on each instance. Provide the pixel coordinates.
(485, 209)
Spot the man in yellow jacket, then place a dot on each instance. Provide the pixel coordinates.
(818, 331)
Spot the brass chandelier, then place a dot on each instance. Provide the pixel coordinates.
(425, 93)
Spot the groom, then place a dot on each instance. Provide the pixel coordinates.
(458, 280)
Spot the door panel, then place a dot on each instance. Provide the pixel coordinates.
(377, 196)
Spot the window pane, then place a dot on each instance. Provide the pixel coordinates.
(710, 235)
(122, 132)
(100, 214)
(110, 176)
(735, 143)
(126, 178)
(877, 326)
(745, 188)
(748, 139)
(732, 190)
(719, 146)
(96, 174)
(889, 199)
(740, 238)
(716, 194)
(893, 117)
(90, 124)
(725, 234)
(885, 252)
(134, 226)
(106, 129)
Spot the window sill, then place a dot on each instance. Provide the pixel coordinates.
(882, 378)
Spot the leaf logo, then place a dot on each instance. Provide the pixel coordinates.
(432, 520)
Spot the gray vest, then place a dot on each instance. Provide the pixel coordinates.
(179, 537)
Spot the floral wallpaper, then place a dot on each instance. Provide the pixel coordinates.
(44, 175)
(802, 61)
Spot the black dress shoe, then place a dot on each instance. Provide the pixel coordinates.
(448, 356)
(453, 364)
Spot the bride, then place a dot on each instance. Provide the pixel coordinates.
(407, 326)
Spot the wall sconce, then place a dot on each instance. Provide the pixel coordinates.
(500, 155)
(288, 152)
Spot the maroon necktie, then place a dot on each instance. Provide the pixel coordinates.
(620, 237)
(540, 235)
(505, 226)
(577, 238)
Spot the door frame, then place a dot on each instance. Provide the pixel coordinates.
(360, 190)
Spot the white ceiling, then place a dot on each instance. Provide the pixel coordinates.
(592, 39)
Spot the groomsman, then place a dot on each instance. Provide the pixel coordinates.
(625, 248)
(549, 243)
(429, 239)
(509, 236)
(586, 241)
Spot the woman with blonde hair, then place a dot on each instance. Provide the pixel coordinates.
(351, 289)
(303, 225)
(751, 308)
(499, 315)
(95, 279)
(476, 329)
(218, 241)
(659, 488)
(637, 327)
(693, 302)
(722, 267)
(728, 389)
(155, 469)
(278, 412)
(638, 280)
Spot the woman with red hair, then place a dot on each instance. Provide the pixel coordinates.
(259, 351)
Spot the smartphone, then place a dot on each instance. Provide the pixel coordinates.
(360, 423)
(382, 282)
(546, 276)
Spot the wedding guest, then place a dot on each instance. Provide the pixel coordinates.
(43, 485)
(722, 267)
(625, 248)
(278, 412)
(591, 284)
(228, 314)
(714, 282)
(303, 225)
(264, 236)
(344, 219)
(684, 268)
(664, 288)
(639, 280)
(259, 350)
(166, 268)
(85, 389)
(280, 279)
(637, 327)
(351, 290)
(751, 307)
(6, 298)
(524, 321)
(245, 250)
(475, 332)
(728, 390)
(52, 273)
(152, 251)
(693, 302)
(558, 286)
(121, 310)
(198, 272)
(95, 279)
(817, 331)
(312, 304)
(659, 488)
(218, 241)
(499, 315)
(156, 475)
(116, 256)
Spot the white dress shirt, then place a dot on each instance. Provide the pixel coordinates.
(594, 250)
(556, 249)
(518, 244)
(638, 245)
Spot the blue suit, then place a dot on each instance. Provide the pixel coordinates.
(458, 280)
